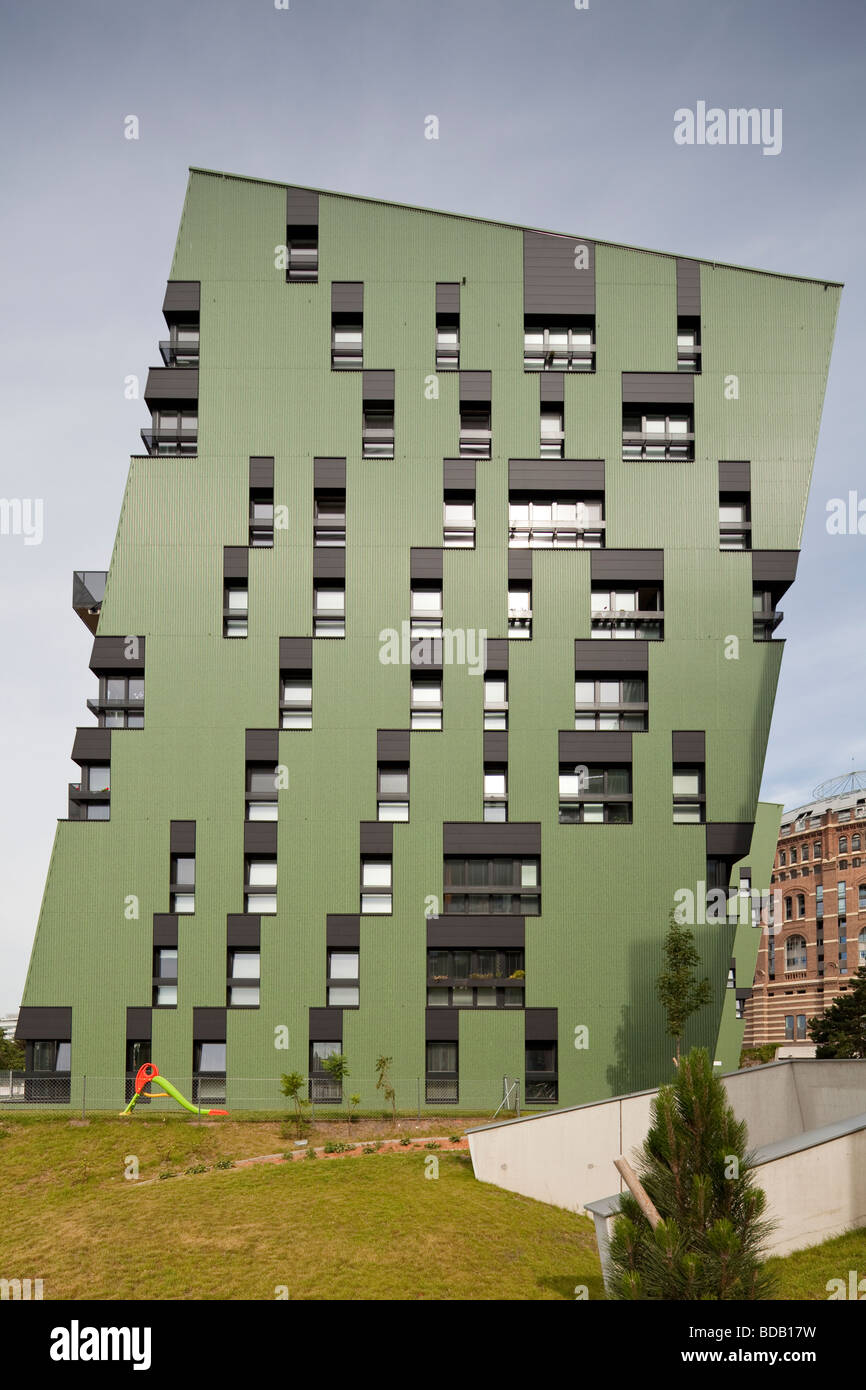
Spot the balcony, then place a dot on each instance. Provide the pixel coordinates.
(563, 350)
(88, 591)
(180, 352)
(88, 805)
(764, 623)
(668, 446)
(647, 624)
(170, 440)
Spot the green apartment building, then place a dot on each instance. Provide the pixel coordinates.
(437, 652)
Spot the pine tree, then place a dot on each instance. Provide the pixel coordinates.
(696, 1170)
(842, 1030)
(680, 994)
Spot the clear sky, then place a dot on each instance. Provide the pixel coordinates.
(549, 115)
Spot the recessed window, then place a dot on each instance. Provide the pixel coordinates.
(329, 518)
(688, 795)
(441, 1074)
(558, 345)
(653, 433)
(165, 977)
(261, 792)
(376, 886)
(120, 703)
(392, 792)
(347, 342)
(688, 345)
(296, 700)
(519, 612)
(552, 444)
(323, 1087)
(447, 342)
(627, 613)
(475, 432)
(260, 884)
(495, 793)
(734, 523)
(795, 953)
(426, 610)
(209, 1073)
(244, 979)
(541, 1078)
(303, 247)
(182, 885)
(343, 979)
(458, 523)
(378, 431)
(549, 523)
(499, 885)
(595, 795)
(236, 600)
(329, 610)
(610, 703)
(425, 703)
(496, 702)
(261, 518)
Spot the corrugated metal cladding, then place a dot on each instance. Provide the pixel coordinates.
(171, 384)
(425, 562)
(520, 564)
(379, 385)
(491, 837)
(236, 562)
(551, 388)
(260, 837)
(139, 1024)
(116, 654)
(448, 299)
(458, 475)
(328, 563)
(496, 654)
(243, 929)
(774, 566)
(688, 288)
(329, 473)
(485, 933)
(347, 297)
(476, 386)
(576, 746)
(558, 274)
(541, 1025)
(182, 837)
(262, 745)
(617, 565)
(90, 744)
(495, 746)
(261, 472)
(35, 1023)
(182, 297)
(727, 838)
(688, 745)
(302, 207)
(296, 653)
(209, 1025)
(735, 475)
(326, 1025)
(392, 745)
(658, 388)
(165, 929)
(442, 1025)
(343, 929)
(558, 475)
(615, 656)
(376, 837)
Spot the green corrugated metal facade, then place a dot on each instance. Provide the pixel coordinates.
(266, 388)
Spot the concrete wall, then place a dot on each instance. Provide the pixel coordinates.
(566, 1157)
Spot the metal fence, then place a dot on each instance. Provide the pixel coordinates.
(414, 1095)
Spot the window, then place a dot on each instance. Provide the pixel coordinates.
(261, 518)
(496, 701)
(789, 1027)
(789, 909)
(688, 792)
(120, 703)
(816, 850)
(492, 886)
(654, 434)
(347, 342)
(343, 977)
(795, 953)
(793, 855)
(819, 902)
(688, 345)
(378, 430)
(540, 523)
(458, 526)
(861, 947)
(329, 518)
(260, 884)
(610, 702)
(801, 905)
(182, 884)
(244, 979)
(765, 619)
(475, 979)
(329, 610)
(392, 792)
(804, 852)
(541, 1082)
(174, 430)
(296, 700)
(425, 610)
(447, 342)
(209, 1073)
(376, 886)
(855, 844)
(734, 524)
(261, 792)
(303, 246)
(235, 608)
(519, 612)
(841, 892)
(98, 778)
(475, 432)
(843, 844)
(181, 348)
(165, 977)
(558, 345)
(441, 1075)
(801, 1025)
(495, 793)
(425, 703)
(627, 613)
(552, 443)
(323, 1087)
(50, 1055)
(596, 796)
(783, 858)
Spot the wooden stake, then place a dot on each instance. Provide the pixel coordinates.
(637, 1190)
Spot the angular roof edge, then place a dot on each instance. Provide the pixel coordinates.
(515, 226)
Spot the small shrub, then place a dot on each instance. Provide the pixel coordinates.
(311, 1153)
(454, 1138)
(433, 1144)
(167, 1173)
(224, 1163)
(405, 1141)
(4, 1133)
(197, 1168)
(368, 1149)
(288, 1157)
(334, 1146)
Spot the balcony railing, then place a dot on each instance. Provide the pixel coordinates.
(688, 357)
(475, 443)
(303, 263)
(734, 535)
(378, 443)
(179, 354)
(647, 624)
(170, 441)
(764, 624)
(557, 536)
(668, 447)
(559, 357)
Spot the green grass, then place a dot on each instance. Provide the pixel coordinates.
(366, 1228)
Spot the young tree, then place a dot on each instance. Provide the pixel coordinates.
(696, 1170)
(383, 1084)
(11, 1054)
(291, 1085)
(680, 994)
(337, 1067)
(842, 1030)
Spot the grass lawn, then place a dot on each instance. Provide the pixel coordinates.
(371, 1227)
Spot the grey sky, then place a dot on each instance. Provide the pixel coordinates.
(548, 115)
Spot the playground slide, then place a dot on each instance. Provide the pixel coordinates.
(150, 1072)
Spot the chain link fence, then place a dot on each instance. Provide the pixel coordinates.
(415, 1096)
